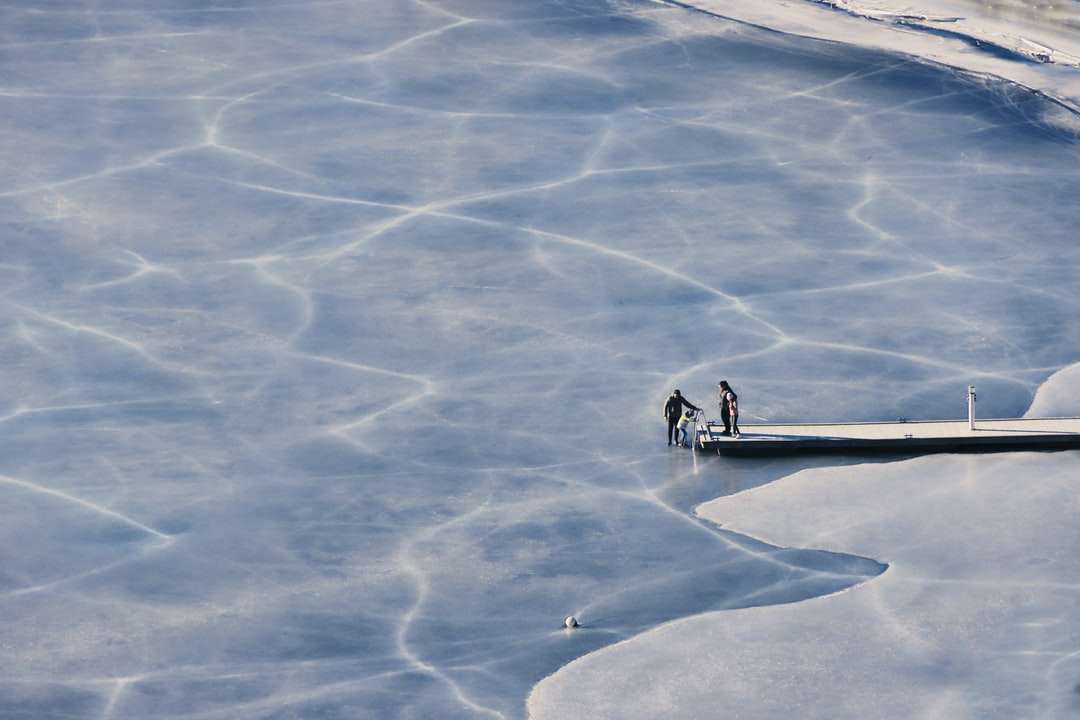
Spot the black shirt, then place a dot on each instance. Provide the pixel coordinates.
(673, 408)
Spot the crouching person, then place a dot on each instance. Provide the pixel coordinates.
(685, 422)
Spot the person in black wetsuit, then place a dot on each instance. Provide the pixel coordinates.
(673, 410)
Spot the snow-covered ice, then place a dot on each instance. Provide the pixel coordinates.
(1036, 44)
(335, 336)
(975, 617)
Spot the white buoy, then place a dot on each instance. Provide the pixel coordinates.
(570, 622)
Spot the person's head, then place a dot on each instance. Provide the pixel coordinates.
(724, 385)
(677, 393)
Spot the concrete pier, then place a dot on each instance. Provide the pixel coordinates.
(895, 437)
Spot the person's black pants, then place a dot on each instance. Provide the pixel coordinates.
(672, 432)
(730, 423)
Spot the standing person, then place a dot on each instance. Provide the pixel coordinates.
(729, 409)
(673, 409)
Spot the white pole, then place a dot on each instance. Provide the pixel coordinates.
(694, 440)
(971, 407)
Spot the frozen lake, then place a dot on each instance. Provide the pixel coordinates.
(336, 334)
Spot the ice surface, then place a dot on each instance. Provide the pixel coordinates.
(336, 334)
(976, 616)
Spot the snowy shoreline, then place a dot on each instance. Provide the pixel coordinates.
(946, 32)
(974, 618)
(976, 610)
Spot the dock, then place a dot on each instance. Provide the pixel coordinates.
(900, 437)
